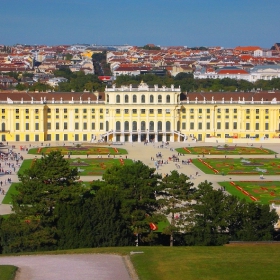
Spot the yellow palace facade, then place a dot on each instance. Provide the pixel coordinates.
(137, 114)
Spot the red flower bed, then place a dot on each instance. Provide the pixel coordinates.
(253, 198)
(116, 150)
(187, 150)
(122, 162)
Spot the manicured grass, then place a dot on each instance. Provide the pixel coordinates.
(264, 192)
(97, 166)
(224, 150)
(88, 166)
(83, 150)
(230, 166)
(234, 262)
(26, 164)
(7, 272)
(8, 197)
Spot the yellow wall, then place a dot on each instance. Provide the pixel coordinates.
(134, 114)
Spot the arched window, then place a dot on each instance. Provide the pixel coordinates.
(159, 99)
(143, 126)
(168, 126)
(118, 126)
(134, 99)
(167, 98)
(126, 126)
(143, 99)
(134, 126)
(152, 126)
(151, 99)
(107, 126)
(159, 126)
(118, 99)
(3, 127)
(108, 98)
(126, 99)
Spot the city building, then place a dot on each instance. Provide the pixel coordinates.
(139, 113)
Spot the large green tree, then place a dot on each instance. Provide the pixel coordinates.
(48, 183)
(175, 199)
(220, 218)
(137, 185)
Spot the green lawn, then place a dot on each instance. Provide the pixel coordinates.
(83, 150)
(7, 272)
(230, 166)
(264, 192)
(235, 262)
(88, 166)
(225, 150)
(8, 197)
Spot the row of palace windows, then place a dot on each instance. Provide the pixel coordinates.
(85, 111)
(143, 111)
(143, 126)
(55, 137)
(219, 125)
(143, 99)
(65, 110)
(57, 126)
(219, 110)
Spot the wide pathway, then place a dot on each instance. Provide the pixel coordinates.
(68, 267)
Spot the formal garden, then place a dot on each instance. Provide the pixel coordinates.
(225, 150)
(238, 166)
(79, 150)
(264, 192)
(87, 166)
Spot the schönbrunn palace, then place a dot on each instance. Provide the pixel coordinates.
(136, 114)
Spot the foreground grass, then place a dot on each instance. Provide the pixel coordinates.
(195, 263)
(7, 272)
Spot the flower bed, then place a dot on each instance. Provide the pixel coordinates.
(265, 192)
(238, 166)
(225, 150)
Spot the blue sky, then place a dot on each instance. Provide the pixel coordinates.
(227, 23)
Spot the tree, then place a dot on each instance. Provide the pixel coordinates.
(137, 185)
(256, 223)
(175, 199)
(220, 218)
(48, 183)
(210, 219)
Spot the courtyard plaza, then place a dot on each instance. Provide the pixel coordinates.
(149, 155)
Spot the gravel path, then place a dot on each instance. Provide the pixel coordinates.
(69, 267)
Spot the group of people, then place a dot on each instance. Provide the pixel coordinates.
(9, 162)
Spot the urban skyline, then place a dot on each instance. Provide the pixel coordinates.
(165, 23)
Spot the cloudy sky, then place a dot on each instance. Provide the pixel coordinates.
(227, 23)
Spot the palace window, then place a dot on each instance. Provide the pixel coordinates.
(168, 99)
(118, 99)
(134, 99)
